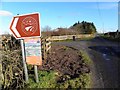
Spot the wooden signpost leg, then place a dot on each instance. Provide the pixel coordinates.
(36, 73)
(24, 62)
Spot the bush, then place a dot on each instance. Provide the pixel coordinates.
(12, 69)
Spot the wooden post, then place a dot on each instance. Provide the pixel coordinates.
(36, 73)
(44, 47)
(73, 38)
(24, 60)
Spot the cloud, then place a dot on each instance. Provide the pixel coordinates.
(5, 13)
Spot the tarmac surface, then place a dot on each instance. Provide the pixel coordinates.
(105, 56)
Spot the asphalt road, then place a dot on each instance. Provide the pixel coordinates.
(105, 56)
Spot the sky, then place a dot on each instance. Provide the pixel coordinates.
(63, 14)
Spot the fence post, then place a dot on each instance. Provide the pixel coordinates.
(36, 73)
(44, 48)
(46, 45)
(73, 38)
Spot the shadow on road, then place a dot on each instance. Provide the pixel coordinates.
(109, 50)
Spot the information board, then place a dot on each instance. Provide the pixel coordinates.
(33, 51)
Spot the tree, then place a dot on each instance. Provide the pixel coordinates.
(46, 31)
(84, 27)
(75, 24)
(46, 28)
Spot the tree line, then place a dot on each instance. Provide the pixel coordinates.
(77, 28)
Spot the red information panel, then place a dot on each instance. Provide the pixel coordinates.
(33, 51)
(26, 26)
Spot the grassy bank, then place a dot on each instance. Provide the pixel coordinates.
(48, 79)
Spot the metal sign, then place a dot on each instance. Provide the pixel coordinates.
(25, 26)
(33, 51)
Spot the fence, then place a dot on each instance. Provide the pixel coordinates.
(46, 47)
(8, 43)
(46, 42)
(65, 37)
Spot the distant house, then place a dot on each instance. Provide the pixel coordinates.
(113, 34)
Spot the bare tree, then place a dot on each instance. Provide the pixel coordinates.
(46, 31)
(46, 28)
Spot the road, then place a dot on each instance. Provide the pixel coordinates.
(105, 55)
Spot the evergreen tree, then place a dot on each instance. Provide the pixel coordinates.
(84, 27)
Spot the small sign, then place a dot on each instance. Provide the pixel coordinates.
(25, 26)
(33, 51)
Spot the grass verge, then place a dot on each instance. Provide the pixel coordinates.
(85, 57)
(111, 38)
